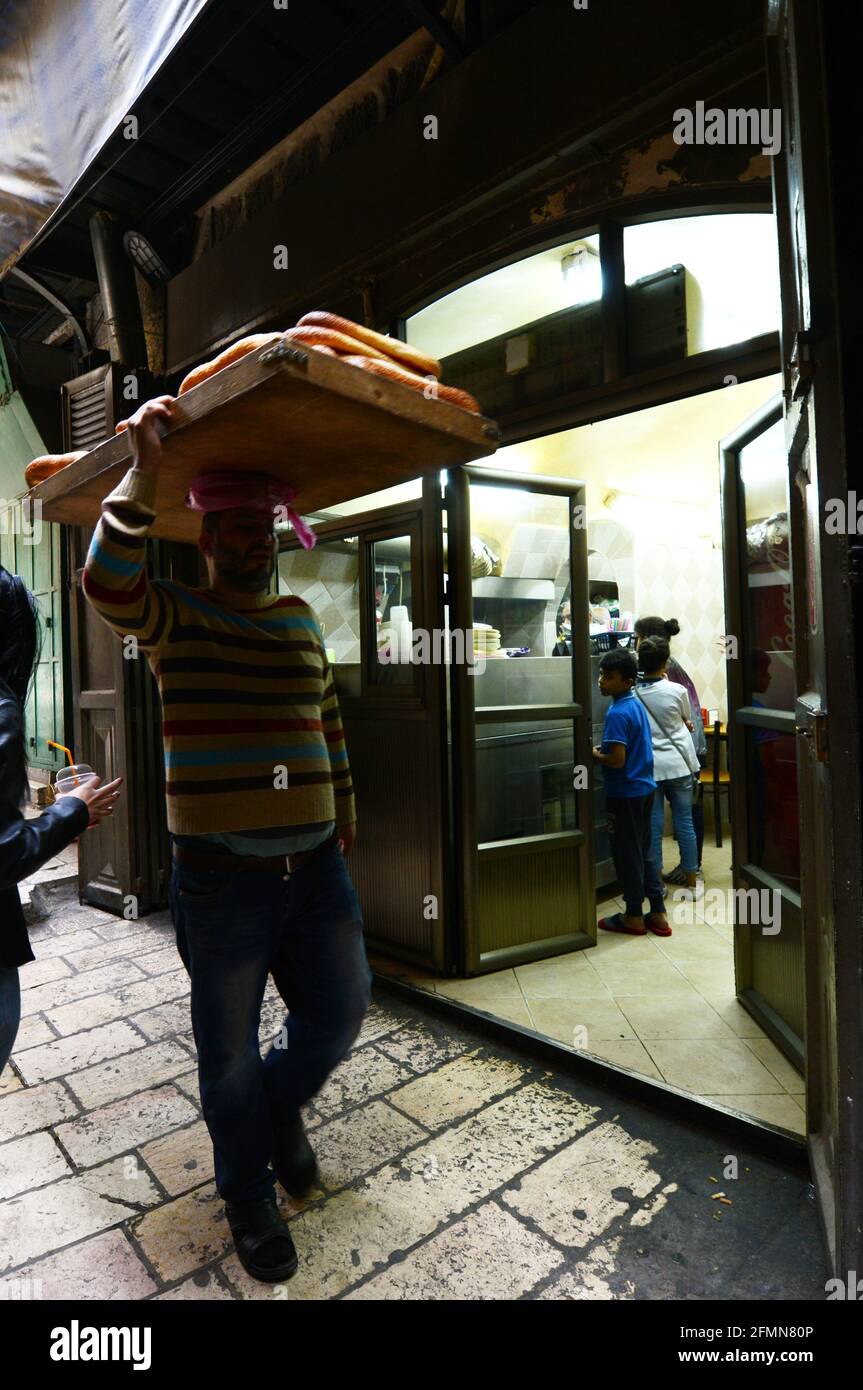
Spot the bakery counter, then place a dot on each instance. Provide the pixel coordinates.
(523, 680)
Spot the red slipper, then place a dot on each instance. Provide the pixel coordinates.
(616, 923)
(657, 931)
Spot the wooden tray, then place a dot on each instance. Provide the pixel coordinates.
(331, 430)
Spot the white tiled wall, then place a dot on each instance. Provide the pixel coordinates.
(673, 580)
(681, 578)
(686, 584)
(327, 580)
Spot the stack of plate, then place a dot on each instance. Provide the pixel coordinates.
(486, 640)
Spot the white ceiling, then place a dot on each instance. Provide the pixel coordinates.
(667, 452)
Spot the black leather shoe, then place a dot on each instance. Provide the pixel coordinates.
(294, 1160)
(263, 1241)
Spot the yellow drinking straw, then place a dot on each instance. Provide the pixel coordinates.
(63, 749)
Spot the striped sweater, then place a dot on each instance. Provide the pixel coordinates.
(251, 726)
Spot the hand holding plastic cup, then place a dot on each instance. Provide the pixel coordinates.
(82, 775)
(79, 774)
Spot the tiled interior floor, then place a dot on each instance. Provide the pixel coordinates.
(662, 1006)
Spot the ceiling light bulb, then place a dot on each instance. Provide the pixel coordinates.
(577, 260)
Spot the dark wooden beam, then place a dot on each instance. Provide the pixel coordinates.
(327, 73)
(480, 22)
(208, 97)
(309, 30)
(440, 31)
(67, 252)
(137, 166)
(264, 66)
(613, 300)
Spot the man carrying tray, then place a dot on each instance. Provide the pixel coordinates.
(260, 805)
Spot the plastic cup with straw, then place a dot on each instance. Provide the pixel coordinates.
(75, 775)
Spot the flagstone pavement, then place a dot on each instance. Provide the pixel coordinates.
(451, 1168)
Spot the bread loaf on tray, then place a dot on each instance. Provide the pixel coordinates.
(355, 344)
(323, 332)
(381, 345)
(232, 354)
(432, 389)
(47, 465)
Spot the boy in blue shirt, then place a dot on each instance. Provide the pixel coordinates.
(626, 755)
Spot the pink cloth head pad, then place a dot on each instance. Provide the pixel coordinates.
(221, 490)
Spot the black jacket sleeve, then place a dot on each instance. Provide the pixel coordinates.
(25, 845)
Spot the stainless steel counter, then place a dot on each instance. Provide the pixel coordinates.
(524, 680)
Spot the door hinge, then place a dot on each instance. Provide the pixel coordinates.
(800, 363)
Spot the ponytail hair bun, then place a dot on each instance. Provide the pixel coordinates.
(652, 654)
(656, 627)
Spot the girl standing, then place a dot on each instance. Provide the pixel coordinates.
(675, 765)
(668, 628)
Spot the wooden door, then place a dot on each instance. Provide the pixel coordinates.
(808, 197)
(115, 702)
(363, 568)
(32, 549)
(763, 677)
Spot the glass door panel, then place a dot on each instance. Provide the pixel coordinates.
(762, 738)
(525, 780)
(768, 622)
(771, 784)
(520, 583)
(518, 570)
(390, 662)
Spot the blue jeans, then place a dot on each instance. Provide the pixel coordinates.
(10, 1011)
(678, 790)
(629, 820)
(233, 930)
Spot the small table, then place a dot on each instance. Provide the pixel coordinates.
(717, 779)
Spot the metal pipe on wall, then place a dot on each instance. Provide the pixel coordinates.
(119, 292)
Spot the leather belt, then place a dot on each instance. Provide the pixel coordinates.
(285, 864)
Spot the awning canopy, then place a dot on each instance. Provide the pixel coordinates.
(70, 74)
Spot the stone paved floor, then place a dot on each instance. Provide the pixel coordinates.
(451, 1168)
(62, 869)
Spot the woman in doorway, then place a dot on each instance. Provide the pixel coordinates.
(668, 628)
(674, 762)
(25, 845)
